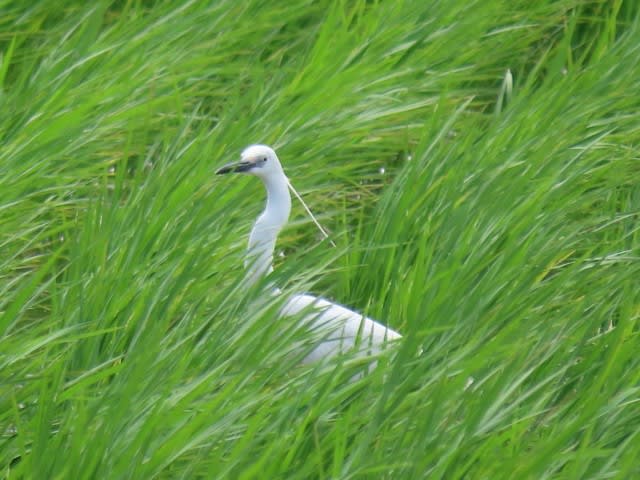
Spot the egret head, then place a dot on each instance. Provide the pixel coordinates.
(258, 160)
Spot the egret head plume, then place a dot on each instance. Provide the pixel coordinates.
(262, 161)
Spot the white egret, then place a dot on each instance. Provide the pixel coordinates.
(340, 329)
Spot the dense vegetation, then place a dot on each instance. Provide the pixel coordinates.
(476, 162)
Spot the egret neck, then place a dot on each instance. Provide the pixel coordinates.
(263, 236)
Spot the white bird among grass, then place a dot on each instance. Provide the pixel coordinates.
(341, 330)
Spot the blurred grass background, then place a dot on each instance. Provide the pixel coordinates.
(476, 162)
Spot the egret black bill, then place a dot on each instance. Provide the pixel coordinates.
(235, 167)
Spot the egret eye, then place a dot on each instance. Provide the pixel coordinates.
(264, 159)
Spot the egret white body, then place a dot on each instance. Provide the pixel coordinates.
(339, 329)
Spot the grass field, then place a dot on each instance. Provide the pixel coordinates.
(477, 164)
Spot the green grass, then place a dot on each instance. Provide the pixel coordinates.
(495, 226)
